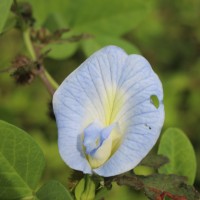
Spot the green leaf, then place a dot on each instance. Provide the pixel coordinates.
(53, 190)
(43, 11)
(176, 146)
(89, 46)
(143, 170)
(170, 185)
(101, 193)
(22, 162)
(112, 17)
(4, 12)
(154, 161)
(157, 186)
(61, 50)
(10, 22)
(90, 16)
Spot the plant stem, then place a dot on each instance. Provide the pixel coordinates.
(46, 78)
(28, 43)
(48, 81)
(51, 80)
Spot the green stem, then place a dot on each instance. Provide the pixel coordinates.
(51, 80)
(28, 44)
(48, 81)
(44, 75)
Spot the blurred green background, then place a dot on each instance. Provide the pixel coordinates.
(166, 32)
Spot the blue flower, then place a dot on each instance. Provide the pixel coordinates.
(107, 122)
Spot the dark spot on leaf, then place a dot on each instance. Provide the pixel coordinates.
(154, 100)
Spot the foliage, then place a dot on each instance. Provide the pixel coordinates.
(175, 145)
(53, 190)
(99, 25)
(4, 10)
(158, 186)
(57, 35)
(22, 163)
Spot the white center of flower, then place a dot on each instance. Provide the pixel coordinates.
(100, 142)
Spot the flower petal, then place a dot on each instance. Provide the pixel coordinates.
(91, 140)
(83, 97)
(102, 153)
(110, 87)
(139, 118)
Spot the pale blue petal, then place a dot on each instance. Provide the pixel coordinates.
(106, 132)
(92, 132)
(95, 135)
(91, 135)
(80, 100)
(143, 120)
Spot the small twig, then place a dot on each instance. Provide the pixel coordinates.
(6, 69)
(40, 71)
(46, 79)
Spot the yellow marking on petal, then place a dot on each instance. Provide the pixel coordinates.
(113, 107)
(117, 138)
(113, 103)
